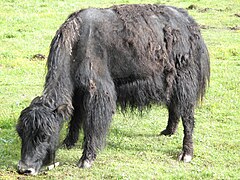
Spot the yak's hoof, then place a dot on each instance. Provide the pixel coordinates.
(166, 133)
(85, 163)
(185, 157)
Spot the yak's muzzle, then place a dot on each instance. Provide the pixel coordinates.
(23, 168)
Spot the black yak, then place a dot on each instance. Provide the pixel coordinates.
(127, 55)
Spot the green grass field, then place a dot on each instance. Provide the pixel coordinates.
(134, 150)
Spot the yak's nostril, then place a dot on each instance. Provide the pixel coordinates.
(28, 171)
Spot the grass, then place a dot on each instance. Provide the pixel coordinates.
(134, 150)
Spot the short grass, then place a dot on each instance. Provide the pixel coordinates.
(134, 150)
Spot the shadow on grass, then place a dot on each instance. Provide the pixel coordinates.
(124, 141)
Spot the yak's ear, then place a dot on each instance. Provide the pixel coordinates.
(62, 109)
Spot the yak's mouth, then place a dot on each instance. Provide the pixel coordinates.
(28, 170)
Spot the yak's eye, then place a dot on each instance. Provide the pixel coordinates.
(44, 137)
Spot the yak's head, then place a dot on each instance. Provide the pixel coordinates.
(39, 128)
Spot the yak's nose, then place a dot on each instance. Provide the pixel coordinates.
(24, 169)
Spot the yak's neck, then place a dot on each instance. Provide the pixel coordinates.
(58, 87)
(58, 91)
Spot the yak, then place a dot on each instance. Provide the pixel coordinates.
(103, 59)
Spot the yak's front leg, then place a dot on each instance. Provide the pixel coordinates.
(188, 124)
(73, 130)
(76, 121)
(99, 102)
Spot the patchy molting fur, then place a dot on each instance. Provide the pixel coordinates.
(128, 55)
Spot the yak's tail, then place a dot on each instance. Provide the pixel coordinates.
(205, 72)
(58, 88)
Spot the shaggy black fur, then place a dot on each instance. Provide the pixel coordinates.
(131, 55)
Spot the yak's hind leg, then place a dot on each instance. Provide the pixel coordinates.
(182, 105)
(187, 96)
(99, 104)
(76, 121)
(188, 124)
(173, 119)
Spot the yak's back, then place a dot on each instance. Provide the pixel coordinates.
(157, 32)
